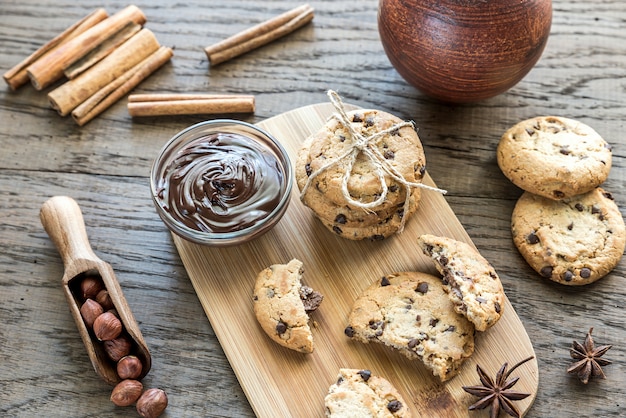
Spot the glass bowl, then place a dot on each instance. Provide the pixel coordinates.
(221, 182)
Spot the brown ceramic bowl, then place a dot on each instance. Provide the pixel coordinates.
(464, 51)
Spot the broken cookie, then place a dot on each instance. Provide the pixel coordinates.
(282, 305)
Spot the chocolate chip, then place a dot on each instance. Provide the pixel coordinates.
(443, 260)
(565, 151)
(433, 322)
(341, 219)
(281, 327)
(269, 293)
(413, 342)
(365, 374)
(394, 406)
(422, 170)
(311, 299)
(608, 195)
(349, 331)
(570, 226)
(532, 238)
(418, 318)
(389, 155)
(385, 281)
(558, 194)
(339, 380)
(357, 118)
(369, 121)
(337, 230)
(579, 207)
(568, 276)
(451, 328)
(497, 306)
(546, 271)
(585, 273)
(376, 324)
(342, 138)
(422, 287)
(530, 131)
(481, 300)
(308, 170)
(377, 237)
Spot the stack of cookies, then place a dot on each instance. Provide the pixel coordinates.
(566, 227)
(358, 189)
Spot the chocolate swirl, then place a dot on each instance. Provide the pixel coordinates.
(222, 182)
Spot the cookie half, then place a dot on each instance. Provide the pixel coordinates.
(469, 279)
(282, 305)
(574, 241)
(554, 157)
(360, 394)
(410, 312)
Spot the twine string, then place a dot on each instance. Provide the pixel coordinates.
(365, 145)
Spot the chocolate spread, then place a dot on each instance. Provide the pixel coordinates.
(221, 182)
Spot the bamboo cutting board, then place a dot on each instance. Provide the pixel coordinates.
(282, 383)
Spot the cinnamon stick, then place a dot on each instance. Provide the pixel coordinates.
(49, 69)
(69, 95)
(188, 104)
(107, 46)
(259, 35)
(115, 90)
(17, 76)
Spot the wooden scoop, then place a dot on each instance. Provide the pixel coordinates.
(63, 221)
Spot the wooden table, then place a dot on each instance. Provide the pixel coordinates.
(104, 166)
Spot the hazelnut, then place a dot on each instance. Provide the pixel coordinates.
(126, 392)
(104, 299)
(118, 347)
(90, 286)
(107, 327)
(90, 310)
(152, 403)
(129, 367)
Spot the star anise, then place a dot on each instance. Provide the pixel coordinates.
(498, 395)
(588, 362)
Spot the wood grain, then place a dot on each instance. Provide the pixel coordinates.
(279, 382)
(104, 166)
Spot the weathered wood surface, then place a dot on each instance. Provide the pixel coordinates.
(44, 370)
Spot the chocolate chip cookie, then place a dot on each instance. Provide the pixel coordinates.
(574, 241)
(282, 305)
(470, 281)
(359, 393)
(410, 312)
(554, 157)
(402, 149)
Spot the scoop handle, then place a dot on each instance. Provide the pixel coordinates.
(63, 221)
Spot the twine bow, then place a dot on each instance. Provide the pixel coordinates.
(362, 144)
